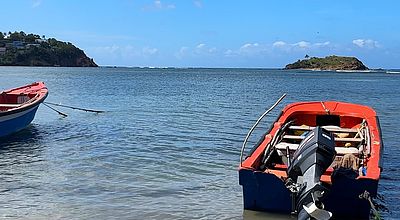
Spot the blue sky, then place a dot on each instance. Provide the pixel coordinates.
(214, 33)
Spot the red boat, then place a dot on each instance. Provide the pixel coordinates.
(318, 160)
(18, 106)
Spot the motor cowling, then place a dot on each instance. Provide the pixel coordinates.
(311, 159)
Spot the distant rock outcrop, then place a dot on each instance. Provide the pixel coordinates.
(328, 63)
(20, 49)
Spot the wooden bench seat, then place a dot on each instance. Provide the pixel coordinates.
(328, 128)
(339, 150)
(295, 137)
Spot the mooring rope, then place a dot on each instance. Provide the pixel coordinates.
(63, 114)
(367, 197)
(76, 108)
(326, 110)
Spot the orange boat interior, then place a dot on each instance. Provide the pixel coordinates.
(352, 142)
(17, 97)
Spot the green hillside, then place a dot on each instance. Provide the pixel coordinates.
(328, 63)
(20, 49)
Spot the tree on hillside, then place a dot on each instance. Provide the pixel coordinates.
(33, 50)
(31, 38)
(17, 36)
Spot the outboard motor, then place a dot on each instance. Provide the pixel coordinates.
(314, 155)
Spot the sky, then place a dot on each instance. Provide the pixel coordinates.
(214, 33)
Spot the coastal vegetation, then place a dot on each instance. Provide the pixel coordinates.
(21, 49)
(328, 63)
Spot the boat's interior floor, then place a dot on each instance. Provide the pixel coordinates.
(351, 146)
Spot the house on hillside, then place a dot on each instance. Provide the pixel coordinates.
(32, 45)
(39, 41)
(18, 44)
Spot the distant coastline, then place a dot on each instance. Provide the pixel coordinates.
(336, 63)
(20, 49)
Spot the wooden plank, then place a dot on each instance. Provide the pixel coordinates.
(295, 137)
(346, 150)
(339, 150)
(331, 129)
(283, 145)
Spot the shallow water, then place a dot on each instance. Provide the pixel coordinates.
(168, 146)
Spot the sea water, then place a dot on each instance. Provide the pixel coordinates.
(168, 145)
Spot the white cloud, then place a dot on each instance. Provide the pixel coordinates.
(366, 43)
(158, 5)
(359, 42)
(201, 49)
(279, 44)
(230, 53)
(302, 44)
(253, 50)
(249, 46)
(200, 46)
(108, 49)
(204, 49)
(124, 52)
(198, 3)
(324, 44)
(147, 51)
(36, 3)
(250, 49)
(170, 6)
(182, 52)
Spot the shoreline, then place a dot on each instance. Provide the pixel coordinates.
(388, 70)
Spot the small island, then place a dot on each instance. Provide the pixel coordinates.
(328, 63)
(20, 49)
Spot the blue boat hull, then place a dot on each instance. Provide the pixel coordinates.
(11, 123)
(266, 192)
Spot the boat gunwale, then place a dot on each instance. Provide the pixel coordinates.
(41, 95)
(361, 111)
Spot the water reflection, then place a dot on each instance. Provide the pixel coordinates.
(21, 147)
(27, 135)
(254, 215)
(21, 172)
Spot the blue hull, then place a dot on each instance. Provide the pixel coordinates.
(12, 123)
(266, 192)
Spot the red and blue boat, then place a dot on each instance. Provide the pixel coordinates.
(18, 106)
(318, 160)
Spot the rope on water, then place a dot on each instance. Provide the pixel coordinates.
(367, 197)
(63, 114)
(76, 108)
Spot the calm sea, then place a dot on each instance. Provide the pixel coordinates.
(168, 146)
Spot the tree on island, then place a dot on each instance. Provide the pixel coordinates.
(328, 63)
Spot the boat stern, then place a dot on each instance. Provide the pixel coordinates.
(264, 192)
